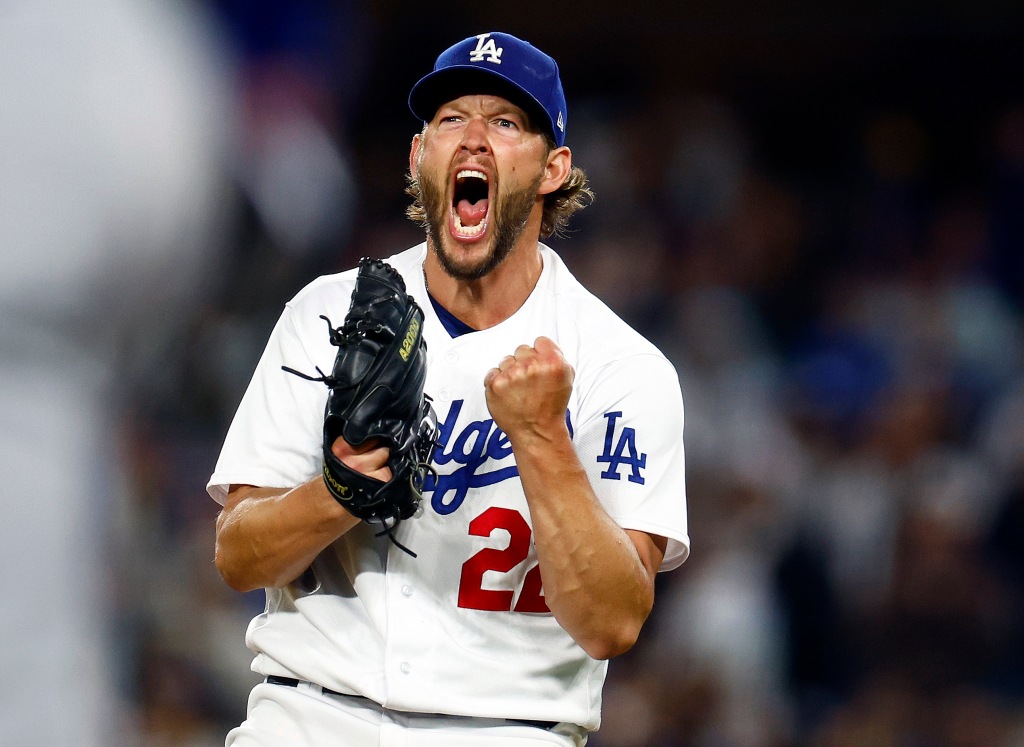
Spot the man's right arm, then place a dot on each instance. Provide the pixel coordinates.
(267, 537)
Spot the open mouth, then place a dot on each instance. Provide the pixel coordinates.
(470, 204)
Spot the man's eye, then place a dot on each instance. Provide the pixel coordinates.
(506, 123)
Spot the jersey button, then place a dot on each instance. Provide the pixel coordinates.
(451, 356)
(444, 395)
(406, 667)
(407, 591)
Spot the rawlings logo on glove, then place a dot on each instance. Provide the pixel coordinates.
(376, 393)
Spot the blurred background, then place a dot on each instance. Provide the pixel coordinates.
(815, 209)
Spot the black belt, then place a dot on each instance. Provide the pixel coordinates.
(290, 682)
(273, 679)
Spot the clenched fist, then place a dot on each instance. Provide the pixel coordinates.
(528, 392)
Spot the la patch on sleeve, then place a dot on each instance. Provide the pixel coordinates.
(620, 451)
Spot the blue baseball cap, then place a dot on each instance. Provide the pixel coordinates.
(500, 64)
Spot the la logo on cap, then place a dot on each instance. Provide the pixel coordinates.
(485, 47)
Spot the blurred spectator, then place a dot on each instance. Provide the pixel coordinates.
(111, 178)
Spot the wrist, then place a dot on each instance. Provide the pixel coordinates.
(332, 509)
(545, 439)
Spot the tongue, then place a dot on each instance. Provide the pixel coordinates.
(471, 213)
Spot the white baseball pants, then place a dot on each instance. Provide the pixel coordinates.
(305, 717)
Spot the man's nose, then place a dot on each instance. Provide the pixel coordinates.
(474, 136)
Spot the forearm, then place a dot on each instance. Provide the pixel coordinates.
(267, 537)
(595, 581)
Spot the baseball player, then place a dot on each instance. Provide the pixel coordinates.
(558, 492)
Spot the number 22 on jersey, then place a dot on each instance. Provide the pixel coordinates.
(472, 595)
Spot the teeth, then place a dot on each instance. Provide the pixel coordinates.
(469, 231)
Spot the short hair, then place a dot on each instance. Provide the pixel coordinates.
(560, 205)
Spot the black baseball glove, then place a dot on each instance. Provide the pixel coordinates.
(376, 393)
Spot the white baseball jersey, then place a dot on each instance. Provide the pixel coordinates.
(462, 628)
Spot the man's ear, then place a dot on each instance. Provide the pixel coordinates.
(559, 164)
(414, 155)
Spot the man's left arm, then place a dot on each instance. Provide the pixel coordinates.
(598, 578)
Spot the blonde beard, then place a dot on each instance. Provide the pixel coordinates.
(510, 215)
